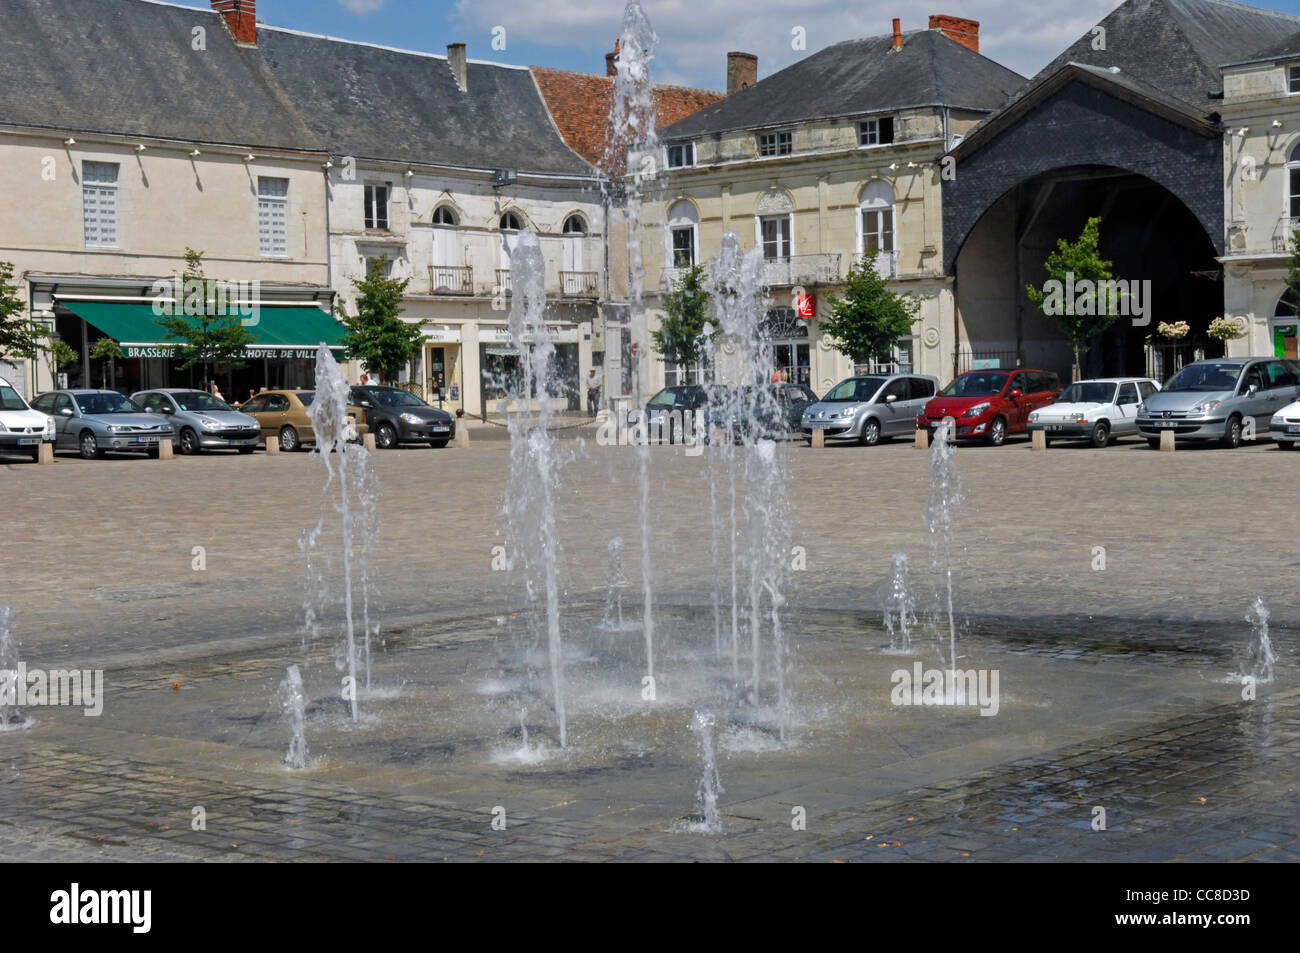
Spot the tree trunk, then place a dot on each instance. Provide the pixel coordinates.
(1076, 372)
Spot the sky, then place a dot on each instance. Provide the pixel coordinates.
(694, 35)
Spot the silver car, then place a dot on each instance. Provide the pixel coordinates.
(870, 409)
(202, 422)
(95, 421)
(1228, 399)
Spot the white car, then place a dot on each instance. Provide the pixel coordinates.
(22, 430)
(1097, 411)
(1284, 426)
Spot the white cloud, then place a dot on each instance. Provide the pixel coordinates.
(362, 7)
(695, 35)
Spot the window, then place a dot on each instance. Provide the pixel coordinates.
(99, 203)
(683, 227)
(1293, 183)
(898, 389)
(272, 214)
(775, 143)
(1293, 79)
(681, 156)
(1146, 389)
(255, 405)
(377, 207)
(922, 389)
(683, 247)
(574, 225)
(775, 233)
(443, 215)
(1127, 394)
(876, 132)
(510, 222)
(876, 226)
(382, 262)
(677, 375)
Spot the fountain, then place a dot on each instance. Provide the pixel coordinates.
(11, 717)
(900, 606)
(707, 820)
(1262, 658)
(945, 496)
(615, 583)
(293, 701)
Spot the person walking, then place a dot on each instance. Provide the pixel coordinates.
(593, 391)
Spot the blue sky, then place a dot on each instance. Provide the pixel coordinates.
(695, 35)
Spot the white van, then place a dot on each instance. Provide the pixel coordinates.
(22, 430)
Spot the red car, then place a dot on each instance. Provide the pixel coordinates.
(988, 405)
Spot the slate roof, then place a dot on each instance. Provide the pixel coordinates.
(861, 76)
(127, 67)
(1177, 46)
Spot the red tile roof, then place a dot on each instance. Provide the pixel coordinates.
(580, 104)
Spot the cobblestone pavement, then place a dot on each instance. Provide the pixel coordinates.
(1115, 690)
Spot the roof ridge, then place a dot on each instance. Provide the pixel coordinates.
(610, 79)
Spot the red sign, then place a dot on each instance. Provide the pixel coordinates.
(805, 305)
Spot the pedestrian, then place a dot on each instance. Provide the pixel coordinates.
(593, 391)
(785, 376)
(776, 376)
(365, 379)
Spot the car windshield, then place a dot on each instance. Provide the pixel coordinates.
(671, 397)
(1088, 392)
(975, 385)
(397, 398)
(10, 399)
(197, 400)
(106, 403)
(1208, 378)
(855, 389)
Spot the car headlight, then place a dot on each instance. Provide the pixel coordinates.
(1206, 407)
(1078, 416)
(411, 418)
(1275, 419)
(210, 423)
(977, 409)
(1033, 418)
(114, 428)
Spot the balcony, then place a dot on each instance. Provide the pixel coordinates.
(807, 270)
(579, 284)
(1282, 234)
(451, 280)
(503, 281)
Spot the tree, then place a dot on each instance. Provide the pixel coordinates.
(681, 335)
(867, 319)
(1293, 267)
(207, 337)
(109, 350)
(1073, 293)
(377, 336)
(58, 353)
(19, 336)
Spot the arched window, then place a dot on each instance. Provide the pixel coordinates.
(574, 225)
(1288, 306)
(510, 228)
(510, 222)
(447, 272)
(876, 227)
(572, 261)
(683, 235)
(443, 215)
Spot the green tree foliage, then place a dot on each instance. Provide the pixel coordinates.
(1084, 315)
(867, 319)
(1293, 268)
(106, 349)
(377, 336)
(209, 339)
(19, 336)
(680, 338)
(58, 353)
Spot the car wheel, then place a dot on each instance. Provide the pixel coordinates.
(438, 444)
(289, 441)
(189, 443)
(1284, 444)
(246, 450)
(386, 437)
(1100, 435)
(870, 435)
(997, 432)
(1232, 436)
(1153, 443)
(36, 455)
(154, 453)
(90, 449)
(1047, 441)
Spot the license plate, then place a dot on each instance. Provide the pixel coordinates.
(236, 443)
(33, 441)
(439, 429)
(1053, 426)
(1166, 424)
(1293, 428)
(146, 440)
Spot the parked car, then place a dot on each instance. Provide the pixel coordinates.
(22, 430)
(870, 409)
(989, 405)
(95, 421)
(772, 410)
(665, 412)
(202, 421)
(282, 415)
(1097, 411)
(396, 416)
(1220, 399)
(1284, 427)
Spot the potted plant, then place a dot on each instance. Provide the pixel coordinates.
(1226, 329)
(1175, 331)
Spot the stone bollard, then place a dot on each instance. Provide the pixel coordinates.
(818, 437)
(462, 437)
(1167, 441)
(1038, 440)
(368, 441)
(922, 439)
(164, 449)
(45, 454)
(273, 444)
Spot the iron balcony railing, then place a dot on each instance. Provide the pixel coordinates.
(579, 284)
(503, 280)
(451, 279)
(823, 269)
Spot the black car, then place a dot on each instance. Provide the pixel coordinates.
(396, 416)
(665, 412)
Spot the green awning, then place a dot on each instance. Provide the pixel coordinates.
(279, 331)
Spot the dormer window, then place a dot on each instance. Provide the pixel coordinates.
(775, 143)
(1293, 79)
(510, 222)
(681, 155)
(876, 132)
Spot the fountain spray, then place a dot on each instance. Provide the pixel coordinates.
(945, 495)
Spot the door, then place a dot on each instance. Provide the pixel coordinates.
(1280, 382)
(1017, 411)
(1126, 404)
(65, 423)
(921, 391)
(894, 402)
(437, 384)
(571, 263)
(1257, 407)
(1285, 339)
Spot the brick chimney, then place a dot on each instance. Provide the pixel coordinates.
(456, 60)
(958, 29)
(742, 71)
(240, 17)
(611, 61)
(898, 34)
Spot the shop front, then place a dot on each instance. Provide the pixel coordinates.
(501, 368)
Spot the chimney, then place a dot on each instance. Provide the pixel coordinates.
(240, 17)
(958, 29)
(742, 71)
(898, 34)
(456, 60)
(611, 61)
